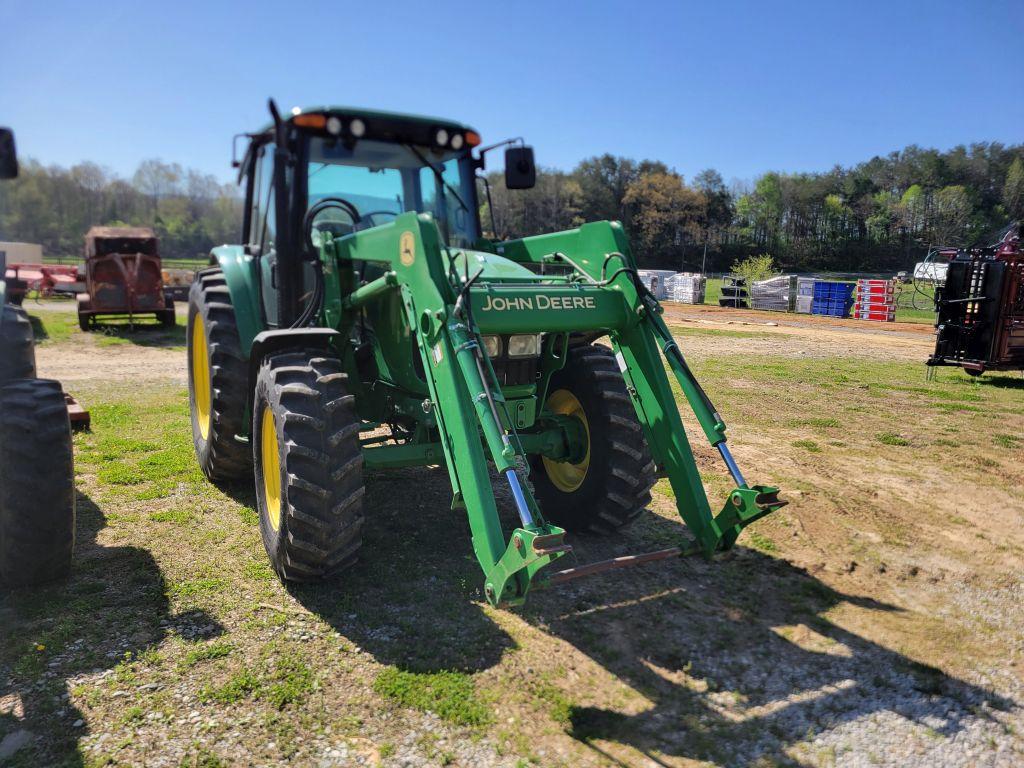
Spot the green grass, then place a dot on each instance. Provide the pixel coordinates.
(808, 445)
(216, 650)
(892, 438)
(448, 694)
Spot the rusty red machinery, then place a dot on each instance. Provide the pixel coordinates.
(123, 277)
(980, 320)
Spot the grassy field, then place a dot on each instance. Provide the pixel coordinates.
(173, 643)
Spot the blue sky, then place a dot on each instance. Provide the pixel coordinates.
(741, 87)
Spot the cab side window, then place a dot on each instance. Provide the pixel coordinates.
(261, 231)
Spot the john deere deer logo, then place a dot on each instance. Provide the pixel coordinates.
(407, 249)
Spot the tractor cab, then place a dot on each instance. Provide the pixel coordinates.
(349, 170)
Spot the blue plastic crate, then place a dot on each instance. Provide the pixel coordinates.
(829, 290)
(832, 307)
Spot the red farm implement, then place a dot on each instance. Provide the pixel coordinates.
(122, 277)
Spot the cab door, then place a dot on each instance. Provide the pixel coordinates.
(262, 230)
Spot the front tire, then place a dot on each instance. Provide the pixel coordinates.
(218, 379)
(609, 487)
(37, 483)
(309, 465)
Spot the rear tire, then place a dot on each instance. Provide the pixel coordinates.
(610, 488)
(37, 483)
(218, 379)
(17, 353)
(309, 465)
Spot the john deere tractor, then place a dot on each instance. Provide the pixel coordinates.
(365, 322)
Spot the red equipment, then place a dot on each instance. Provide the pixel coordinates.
(980, 324)
(123, 276)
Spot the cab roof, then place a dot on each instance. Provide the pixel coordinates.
(378, 114)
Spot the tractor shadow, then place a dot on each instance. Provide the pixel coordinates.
(144, 333)
(412, 599)
(737, 657)
(113, 608)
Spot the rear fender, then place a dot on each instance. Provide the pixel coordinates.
(242, 278)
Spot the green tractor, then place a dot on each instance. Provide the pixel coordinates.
(365, 322)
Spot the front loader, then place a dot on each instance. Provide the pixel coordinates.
(366, 323)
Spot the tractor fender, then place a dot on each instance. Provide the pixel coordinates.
(269, 342)
(242, 277)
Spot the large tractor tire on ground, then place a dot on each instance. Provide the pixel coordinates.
(610, 486)
(37, 483)
(218, 379)
(17, 353)
(309, 465)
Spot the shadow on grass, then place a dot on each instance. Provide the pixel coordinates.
(1004, 380)
(112, 609)
(143, 333)
(747, 630)
(410, 599)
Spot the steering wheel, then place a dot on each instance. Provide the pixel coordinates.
(337, 228)
(369, 216)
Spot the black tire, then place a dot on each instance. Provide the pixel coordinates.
(17, 353)
(221, 457)
(166, 316)
(320, 477)
(616, 487)
(37, 483)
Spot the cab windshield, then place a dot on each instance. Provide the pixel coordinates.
(382, 180)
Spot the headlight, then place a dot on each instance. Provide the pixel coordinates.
(333, 125)
(492, 345)
(441, 137)
(357, 128)
(457, 141)
(524, 346)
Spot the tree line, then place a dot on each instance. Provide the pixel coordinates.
(881, 214)
(190, 212)
(877, 215)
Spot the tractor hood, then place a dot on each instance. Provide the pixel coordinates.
(494, 267)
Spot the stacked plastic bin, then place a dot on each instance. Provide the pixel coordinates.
(804, 294)
(876, 300)
(772, 294)
(685, 288)
(832, 298)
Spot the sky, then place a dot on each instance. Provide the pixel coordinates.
(740, 87)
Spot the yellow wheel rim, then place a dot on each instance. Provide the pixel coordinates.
(201, 376)
(565, 476)
(271, 469)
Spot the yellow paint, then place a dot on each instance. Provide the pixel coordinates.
(201, 377)
(407, 249)
(565, 476)
(271, 466)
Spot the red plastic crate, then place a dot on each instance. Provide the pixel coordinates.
(880, 315)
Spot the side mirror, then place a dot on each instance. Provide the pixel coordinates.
(8, 155)
(520, 171)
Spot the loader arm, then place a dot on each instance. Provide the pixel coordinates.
(595, 290)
